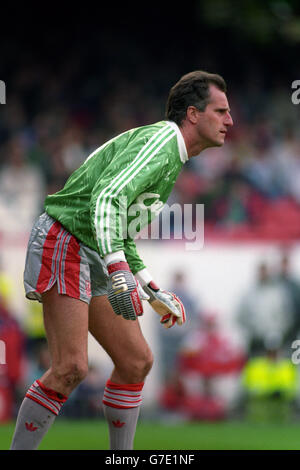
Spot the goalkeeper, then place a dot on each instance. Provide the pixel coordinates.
(82, 263)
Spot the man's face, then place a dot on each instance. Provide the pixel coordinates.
(213, 123)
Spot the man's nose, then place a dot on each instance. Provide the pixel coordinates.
(228, 120)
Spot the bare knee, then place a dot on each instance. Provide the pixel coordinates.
(143, 365)
(70, 373)
(135, 369)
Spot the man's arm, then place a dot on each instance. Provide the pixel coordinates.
(129, 174)
(135, 262)
(126, 178)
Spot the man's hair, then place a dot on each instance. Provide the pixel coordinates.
(191, 90)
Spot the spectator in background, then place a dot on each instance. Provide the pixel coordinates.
(73, 152)
(11, 370)
(210, 352)
(265, 312)
(287, 161)
(21, 188)
(234, 208)
(206, 354)
(259, 167)
(291, 285)
(6, 286)
(169, 339)
(45, 151)
(270, 383)
(34, 328)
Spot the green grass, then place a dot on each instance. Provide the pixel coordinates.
(92, 435)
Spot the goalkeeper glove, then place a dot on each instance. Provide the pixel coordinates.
(124, 292)
(166, 304)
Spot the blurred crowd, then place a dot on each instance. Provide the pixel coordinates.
(209, 374)
(54, 119)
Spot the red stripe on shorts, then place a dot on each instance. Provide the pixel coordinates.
(60, 261)
(48, 251)
(72, 269)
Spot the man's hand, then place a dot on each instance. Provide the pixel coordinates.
(124, 293)
(166, 304)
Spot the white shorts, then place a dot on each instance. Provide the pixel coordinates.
(56, 256)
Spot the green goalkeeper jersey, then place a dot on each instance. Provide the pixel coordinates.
(106, 195)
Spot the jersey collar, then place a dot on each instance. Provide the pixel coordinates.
(180, 140)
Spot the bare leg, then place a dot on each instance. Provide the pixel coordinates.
(66, 325)
(122, 339)
(124, 342)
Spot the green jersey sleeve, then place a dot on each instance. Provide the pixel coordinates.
(135, 262)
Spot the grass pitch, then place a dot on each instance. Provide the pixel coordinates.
(92, 435)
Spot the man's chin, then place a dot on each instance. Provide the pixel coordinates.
(218, 143)
(221, 141)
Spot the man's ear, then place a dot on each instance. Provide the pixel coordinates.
(192, 114)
